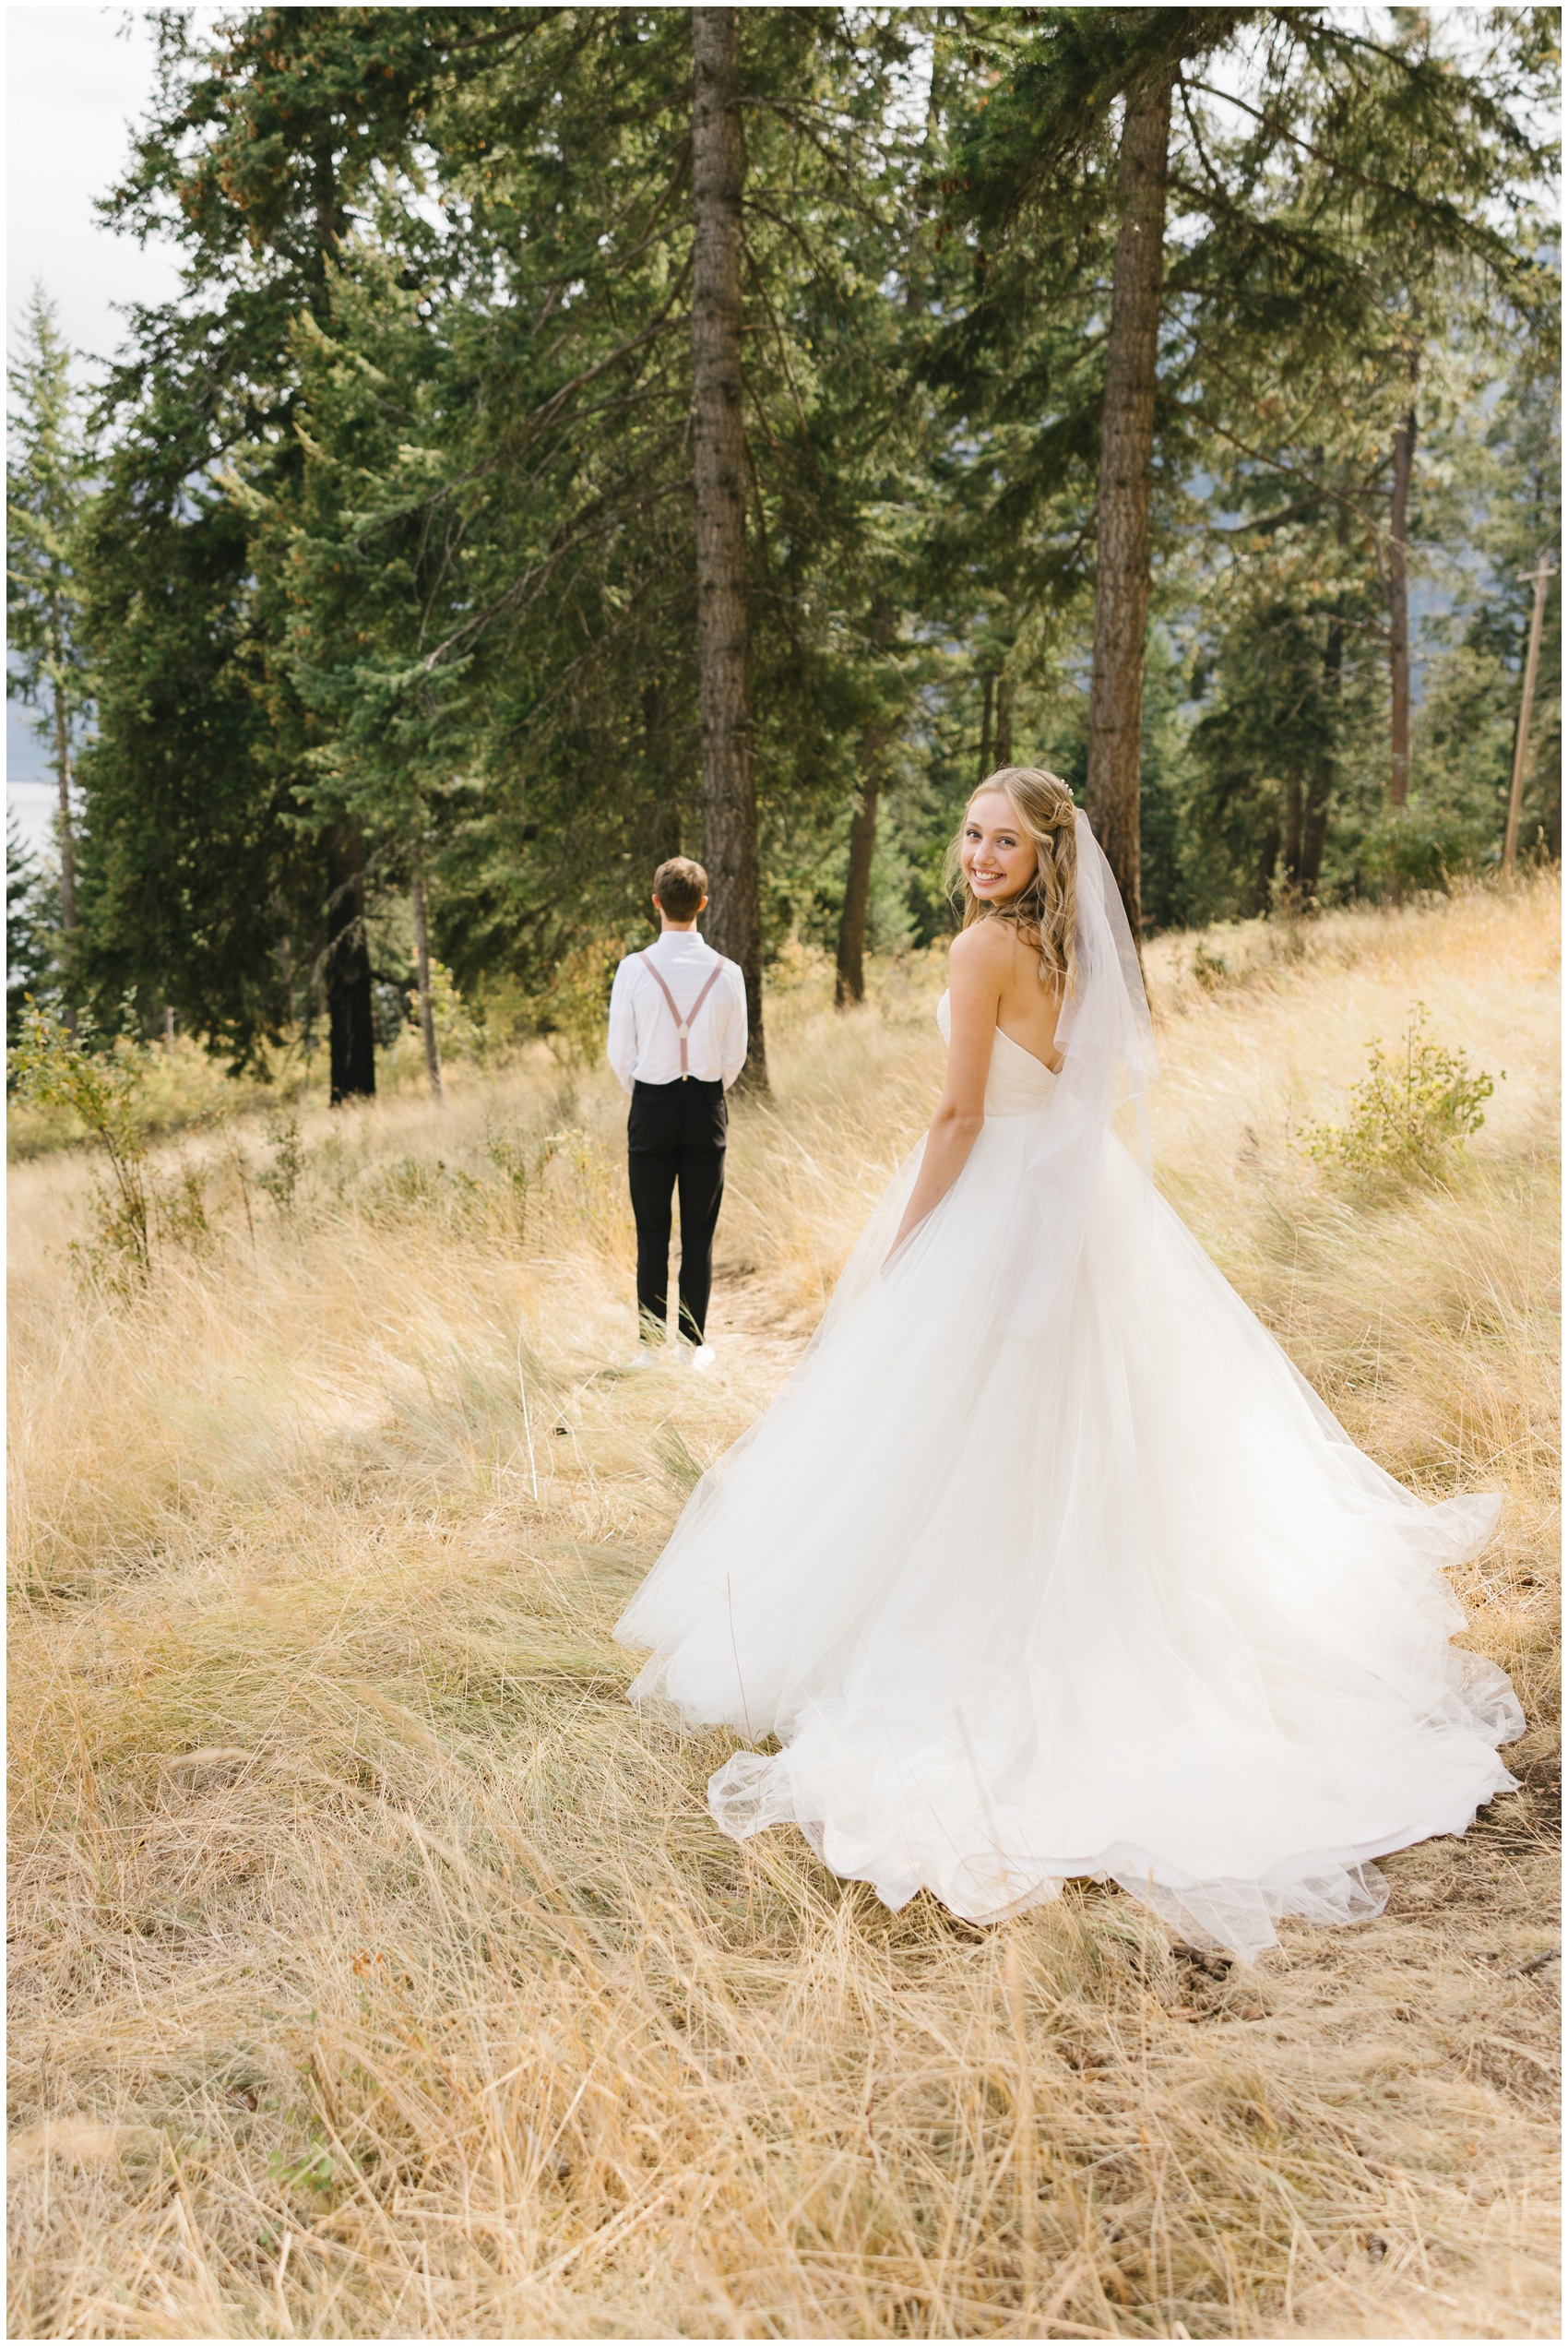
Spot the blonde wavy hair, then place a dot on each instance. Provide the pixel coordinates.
(1045, 913)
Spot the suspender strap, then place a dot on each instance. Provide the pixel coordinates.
(684, 1025)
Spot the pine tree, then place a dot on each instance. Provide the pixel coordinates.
(397, 571)
(264, 147)
(1303, 232)
(32, 930)
(496, 571)
(729, 824)
(48, 489)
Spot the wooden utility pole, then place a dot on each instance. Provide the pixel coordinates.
(1126, 457)
(1542, 576)
(718, 449)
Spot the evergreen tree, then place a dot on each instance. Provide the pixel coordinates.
(719, 449)
(48, 488)
(396, 583)
(1359, 164)
(32, 930)
(1489, 506)
(496, 575)
(216, 864)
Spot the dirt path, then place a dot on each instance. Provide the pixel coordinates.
(756, 1328)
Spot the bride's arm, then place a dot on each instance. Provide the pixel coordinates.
(976, 967)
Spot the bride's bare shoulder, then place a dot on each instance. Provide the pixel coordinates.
(984, 951)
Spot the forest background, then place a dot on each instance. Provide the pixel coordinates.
(588, 434)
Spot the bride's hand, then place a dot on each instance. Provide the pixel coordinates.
(906, 1232)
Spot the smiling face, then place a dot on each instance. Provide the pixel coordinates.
(995, 853)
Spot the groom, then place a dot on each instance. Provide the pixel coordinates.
(677, 1041)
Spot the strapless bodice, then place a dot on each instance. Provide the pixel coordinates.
(1018, 1082)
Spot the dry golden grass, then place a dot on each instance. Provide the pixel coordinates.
(376, 1972)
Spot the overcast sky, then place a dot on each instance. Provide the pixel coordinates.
(75, 79)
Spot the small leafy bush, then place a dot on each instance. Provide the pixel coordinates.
(105, 1089)
(458, 1034)
(53, 1068)
(410, 1186)
(1411, 1113)
(1211, 970)
(283, 1177)
(1415, 850)
(182, 1088)
(509, 1155)
(578, 1004)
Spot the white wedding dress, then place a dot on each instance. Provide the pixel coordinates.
(1111, 1596)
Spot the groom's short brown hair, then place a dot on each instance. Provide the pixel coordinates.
(680, 886)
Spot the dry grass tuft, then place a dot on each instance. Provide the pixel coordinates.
(376, 1972)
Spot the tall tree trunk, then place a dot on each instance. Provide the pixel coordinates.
(1004, 719)
(1292, 845)
(1126, 452)
(1263, 887)
(850, 978)
(1322, 774)
(729, 787)
(655, 752)
(1399, 614)
(427, 999)
(352, 1024)
(351, 1018)
(324, 199)
(987, 685)
(64, 835)
(850, 984)
(1541, 577)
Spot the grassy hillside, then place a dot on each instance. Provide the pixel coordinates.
(376, 1970)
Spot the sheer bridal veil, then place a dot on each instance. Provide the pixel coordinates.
(1106, 1040)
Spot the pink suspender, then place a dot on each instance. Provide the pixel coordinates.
(684, 1025)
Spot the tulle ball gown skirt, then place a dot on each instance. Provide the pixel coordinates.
(1124, 1603)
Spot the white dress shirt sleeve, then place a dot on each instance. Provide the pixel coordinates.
(733, 1042)
(621, 1046)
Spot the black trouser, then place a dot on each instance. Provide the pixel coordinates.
(675, 1138)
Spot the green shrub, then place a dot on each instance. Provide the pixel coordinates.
(181, 1087)
(281, 1178)
(458, 1034)
(1410, 1114)
(415, 1186)
(508, 1153)
(104, 1092)
(1211, 970)
(1416, 850)
(53, 1068)
(578, 1004)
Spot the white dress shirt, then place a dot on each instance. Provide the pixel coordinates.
(644, 1045)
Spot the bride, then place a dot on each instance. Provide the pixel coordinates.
(1047, 1563)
